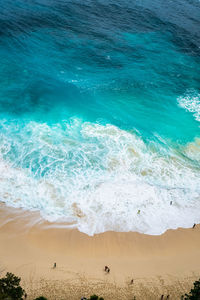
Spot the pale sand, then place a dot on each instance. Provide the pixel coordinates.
(165, 264)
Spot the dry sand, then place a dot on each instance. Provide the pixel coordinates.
(29, 246)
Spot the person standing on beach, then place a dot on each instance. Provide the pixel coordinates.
(107, 269)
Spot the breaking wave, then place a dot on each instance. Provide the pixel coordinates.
(98, 177)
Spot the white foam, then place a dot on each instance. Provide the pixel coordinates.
(98, 177)
(191, 102)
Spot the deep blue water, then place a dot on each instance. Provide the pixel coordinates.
(100, 112)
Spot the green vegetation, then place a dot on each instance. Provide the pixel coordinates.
(194, 294)
(95, 297)
(10, 288)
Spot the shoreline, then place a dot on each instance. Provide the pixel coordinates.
(163, 264)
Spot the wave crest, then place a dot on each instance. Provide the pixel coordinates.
(191, 102)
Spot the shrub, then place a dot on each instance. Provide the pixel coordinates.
(95, 297)
(10, 287)
(194, 294)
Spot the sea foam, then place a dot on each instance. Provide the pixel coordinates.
(191, 102)
(98, 177)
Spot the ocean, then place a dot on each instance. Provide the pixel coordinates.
(100, 112)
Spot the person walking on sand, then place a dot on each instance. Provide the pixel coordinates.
(167, 297)
(107, 269)
(162, 296)
(54, 266)
(131, 281)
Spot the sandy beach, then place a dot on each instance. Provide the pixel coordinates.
(29, 246)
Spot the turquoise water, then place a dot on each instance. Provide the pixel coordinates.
(100, 112)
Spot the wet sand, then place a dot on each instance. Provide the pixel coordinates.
(29, 246)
